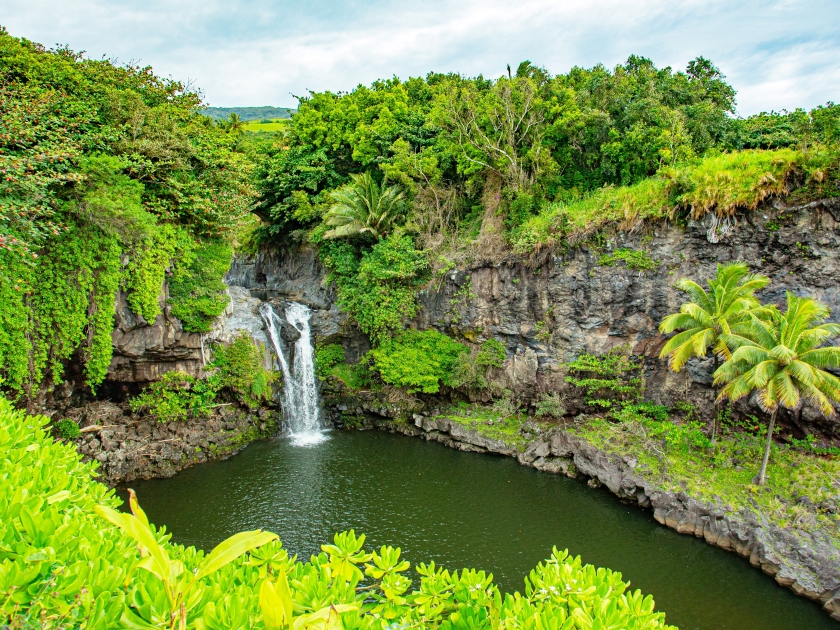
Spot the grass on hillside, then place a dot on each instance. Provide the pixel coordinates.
(720, 183)
(276, 124)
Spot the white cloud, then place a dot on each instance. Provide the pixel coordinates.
(778, 54)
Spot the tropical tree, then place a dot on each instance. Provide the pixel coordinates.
(362, 207)
(234, 123)
(726, 306)
(784, 360)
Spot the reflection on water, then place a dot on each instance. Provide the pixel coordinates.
(465, 510)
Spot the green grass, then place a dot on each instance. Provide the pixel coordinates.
(489, 424)
(276, 124)
(726, 473)
(721, 184)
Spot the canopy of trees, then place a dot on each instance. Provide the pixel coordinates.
(108, 174)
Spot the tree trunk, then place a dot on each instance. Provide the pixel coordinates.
(715, 365)
(762, 474)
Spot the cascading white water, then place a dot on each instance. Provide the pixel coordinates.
(300, 390)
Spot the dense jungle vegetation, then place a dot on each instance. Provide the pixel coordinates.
(113, 179)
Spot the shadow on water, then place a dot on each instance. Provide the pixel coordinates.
(465, 510)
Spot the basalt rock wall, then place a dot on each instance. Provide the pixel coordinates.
(553, 305)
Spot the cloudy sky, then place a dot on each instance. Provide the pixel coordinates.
(777, 53)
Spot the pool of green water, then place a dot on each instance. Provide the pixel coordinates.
(465, 510)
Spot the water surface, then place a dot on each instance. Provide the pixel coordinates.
(465, 510)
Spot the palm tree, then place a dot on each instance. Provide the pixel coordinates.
(783, 360)
(234, 123)
(709, 315)
(361, 207)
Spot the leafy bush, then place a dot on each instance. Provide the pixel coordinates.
(608, 380)
(551, 405)
(506, 405)
(197, 291)
(491, 354)
(634, 259)
(177, 395)
(328, 357)
(418, 360)
(240, 370)
(72, 560)
(89, 199)
(472, 370)
(377, 286)
(67, 429)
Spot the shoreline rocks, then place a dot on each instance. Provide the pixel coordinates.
(805, 562)
(128, 447)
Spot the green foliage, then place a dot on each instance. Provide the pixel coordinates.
(634, 259)
(100, 164)
(728, 305)
(542, 137)
(719, 183)
(68, 429)
(70, 559)
(418, 360)
(491, 354)
(377, 286)
(239, 366)
(328, 357)
(176, 396)
(146, 270)
(608, 380)
(472, 370)
(197, 291)
(551, 405)
(363, 207)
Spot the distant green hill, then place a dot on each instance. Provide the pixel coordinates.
(250, 113)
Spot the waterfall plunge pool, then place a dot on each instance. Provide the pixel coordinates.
(465, 510)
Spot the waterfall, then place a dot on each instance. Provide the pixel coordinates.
(300, 389)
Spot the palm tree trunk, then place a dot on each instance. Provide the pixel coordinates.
(715, 366)
(762, 474)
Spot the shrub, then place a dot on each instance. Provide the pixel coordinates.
(377, 286)
(506, 405)
(240, 370)
(607, 380)
(551, 405)
(328, 357)
(197, 291)
(418, 360)
(634, 259)
(67, 429)
(175, 396)
(472, 370)
(491, 354)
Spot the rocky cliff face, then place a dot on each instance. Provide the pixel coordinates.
(551, 307)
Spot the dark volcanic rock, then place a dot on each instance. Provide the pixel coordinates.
(132, 447)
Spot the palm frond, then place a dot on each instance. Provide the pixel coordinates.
(677, 321)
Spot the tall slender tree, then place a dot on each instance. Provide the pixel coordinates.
(785, 359)
(709, 315)
(362, 207)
